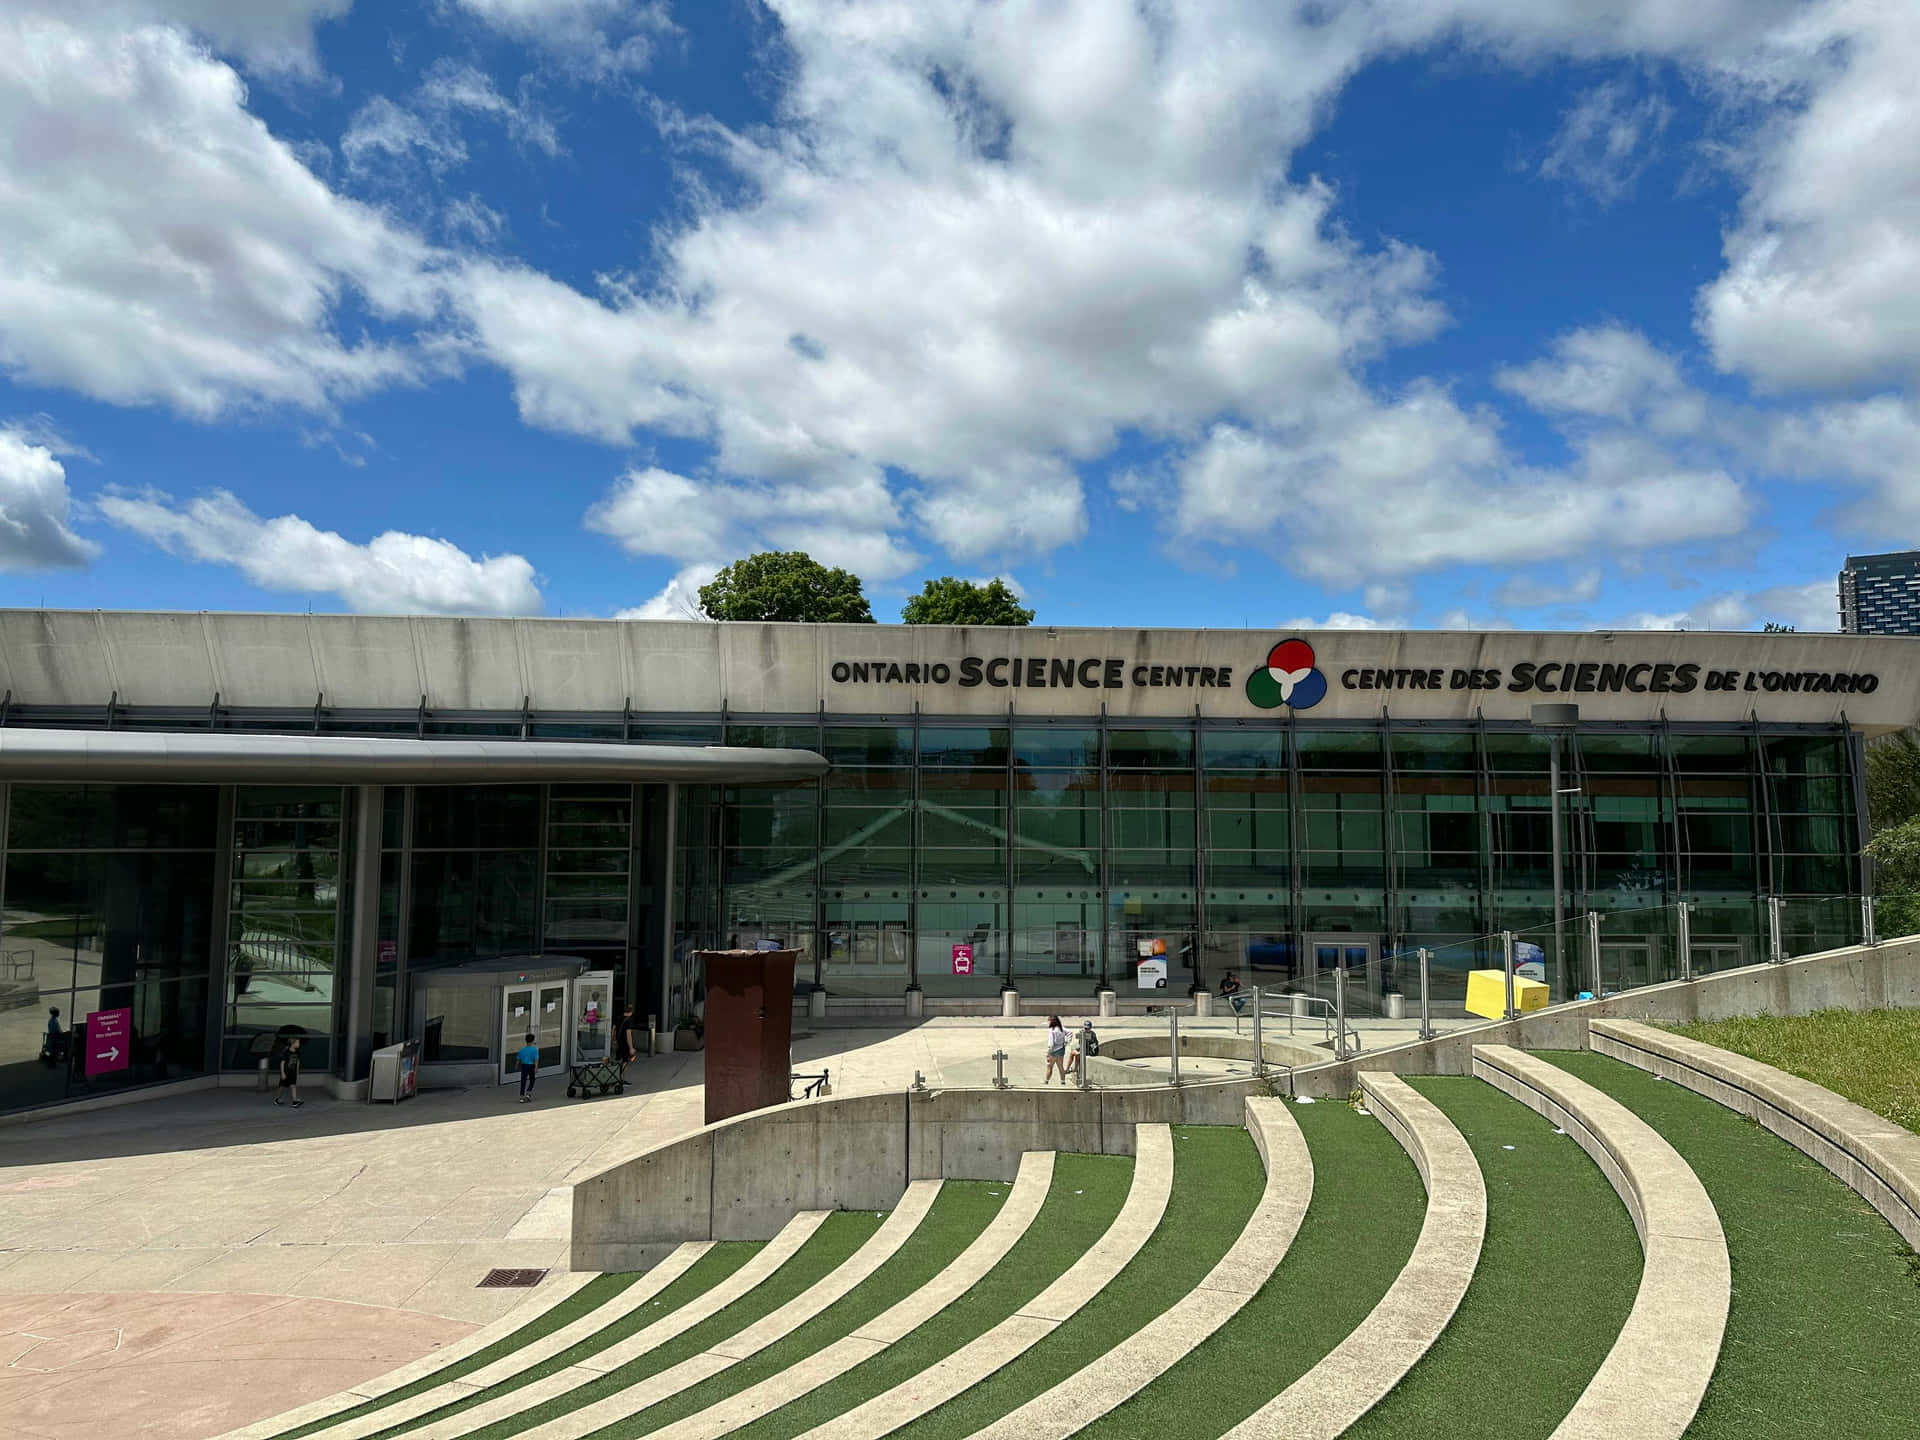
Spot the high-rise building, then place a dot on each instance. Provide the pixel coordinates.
(1880, 594)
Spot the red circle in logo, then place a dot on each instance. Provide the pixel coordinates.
(1290, 655)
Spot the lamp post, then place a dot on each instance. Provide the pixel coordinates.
(1557, 721)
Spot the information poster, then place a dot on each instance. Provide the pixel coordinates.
(963, 959)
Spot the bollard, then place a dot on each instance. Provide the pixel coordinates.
(263, 1086)
(1173, 1044)
(1009, 1004)
(653, 1036)
(1259, 1049)
(1506, 964)
(1426, 1014)
(1203, 1005)
(999, 1069)
(816, 1004)
(916, 1003)
(1109, 1005)
(1340, 1011)
(1686, 941)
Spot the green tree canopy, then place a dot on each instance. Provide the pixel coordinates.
(785, 585)
(948, 601)
(1893, 806)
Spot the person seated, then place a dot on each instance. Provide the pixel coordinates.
(1230, 992)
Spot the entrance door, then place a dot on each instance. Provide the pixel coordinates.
(537, 1010)
(1360, 956)
(1625, 964)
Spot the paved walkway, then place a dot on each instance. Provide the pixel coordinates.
(152, 1210)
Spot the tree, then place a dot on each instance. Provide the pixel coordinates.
(948, 601)
(785, 585)
(1893, 808)
(1774, 627)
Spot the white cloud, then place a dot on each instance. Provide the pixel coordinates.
(1522, 593)
(393, 573)
(679, 598)
(599, 38)
(1812, 606)
(1608, 372)
(34, 505)
(1340, 620)
(657, 512)
(1606, 140)
(1873, 442)
(429, 129)
(162, 246)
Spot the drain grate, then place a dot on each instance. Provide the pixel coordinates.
(511, 1279)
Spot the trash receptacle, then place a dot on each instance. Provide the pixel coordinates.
(392, 1076)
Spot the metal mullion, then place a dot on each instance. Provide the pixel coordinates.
(1296, 861)
(1763, 793)
(1105, 880)
(1389, 825)
(1200, 843)
(913, 860)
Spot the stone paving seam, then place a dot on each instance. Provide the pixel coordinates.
(525, 1358)
(1351, 1378)
(537, 1304)
(767, 1330)
(733, 1412)
(1145, 1205)
(777, 1251)
(1150, 1351)
(1652, 1382)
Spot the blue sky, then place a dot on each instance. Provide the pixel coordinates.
(1549, 313)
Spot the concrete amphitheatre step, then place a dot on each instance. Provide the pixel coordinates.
(761, 1268)
(1652, 1381)
(1015, 1217)
(1352, 1377)
(1146, 1202)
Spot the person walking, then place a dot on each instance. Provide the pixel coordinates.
(628, 1049)
(290, 1075)
(1056, 1050)
(53, 1049)
(529, 1069)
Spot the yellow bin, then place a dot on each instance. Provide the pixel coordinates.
(1487, 994)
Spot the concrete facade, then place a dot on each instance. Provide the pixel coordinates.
(86, 659)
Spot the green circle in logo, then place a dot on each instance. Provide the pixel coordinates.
(1262, 689)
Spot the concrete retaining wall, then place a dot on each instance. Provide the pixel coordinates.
(744, 1178)
(1860, 977)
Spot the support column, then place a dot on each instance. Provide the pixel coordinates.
(668, 844)
(369, 803)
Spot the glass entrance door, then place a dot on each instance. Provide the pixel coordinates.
(537, 1010)
(1359, 955)
(1625, 964)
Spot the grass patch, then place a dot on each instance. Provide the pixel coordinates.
(1870, 1056)
(1217, 1180)
(959, 1214)
(1823, 1337)
(590, 1296)
(842, 1233)
(1368, 1205)
(1084, 1199)
(1557, 1276)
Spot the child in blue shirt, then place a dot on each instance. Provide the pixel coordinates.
(529, 1066)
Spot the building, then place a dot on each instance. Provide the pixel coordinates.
(221, 830)
(1880, 594)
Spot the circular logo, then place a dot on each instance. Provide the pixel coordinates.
(1288, 678)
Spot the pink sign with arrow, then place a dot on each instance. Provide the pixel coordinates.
(109, 1040)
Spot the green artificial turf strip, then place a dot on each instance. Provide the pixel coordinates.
(594, 1293)
(1368, 1206)
(1870, 1056)
(1083, 1201)
(842, 1233)
(1823, 1337)
(1557, 1275)
(959, 1214)
(1217, 1180)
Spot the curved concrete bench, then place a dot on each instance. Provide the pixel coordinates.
(563, 1289)
(988, 1248)
(1871, 1154)
(1039, 1317)
(1653, 1378)
(767, 1330)
(1150, 1351)
(775, 1253)
(639, 1293)
(1354, 1376)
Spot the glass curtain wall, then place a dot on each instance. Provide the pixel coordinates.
(110, 895)
(866, 860)
(1057, 786)
(1248, 832)
(770, 851)
(963, 812)
(284, 921)
(589, 873)
(1153, 857)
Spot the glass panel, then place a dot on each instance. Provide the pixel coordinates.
(986, 746)
(1150, 749)
(467, 905)
(1244, 749)
(113, 817)
(868, 745)
(1434, 750)
(478, 817)
(1340, 750)
(1062, 748)
(775, 737)
(676, 734)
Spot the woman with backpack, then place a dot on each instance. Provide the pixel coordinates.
(1056, 1050)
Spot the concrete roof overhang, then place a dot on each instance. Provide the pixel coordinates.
(236, 757)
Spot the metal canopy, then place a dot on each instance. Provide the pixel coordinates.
(235, 757)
